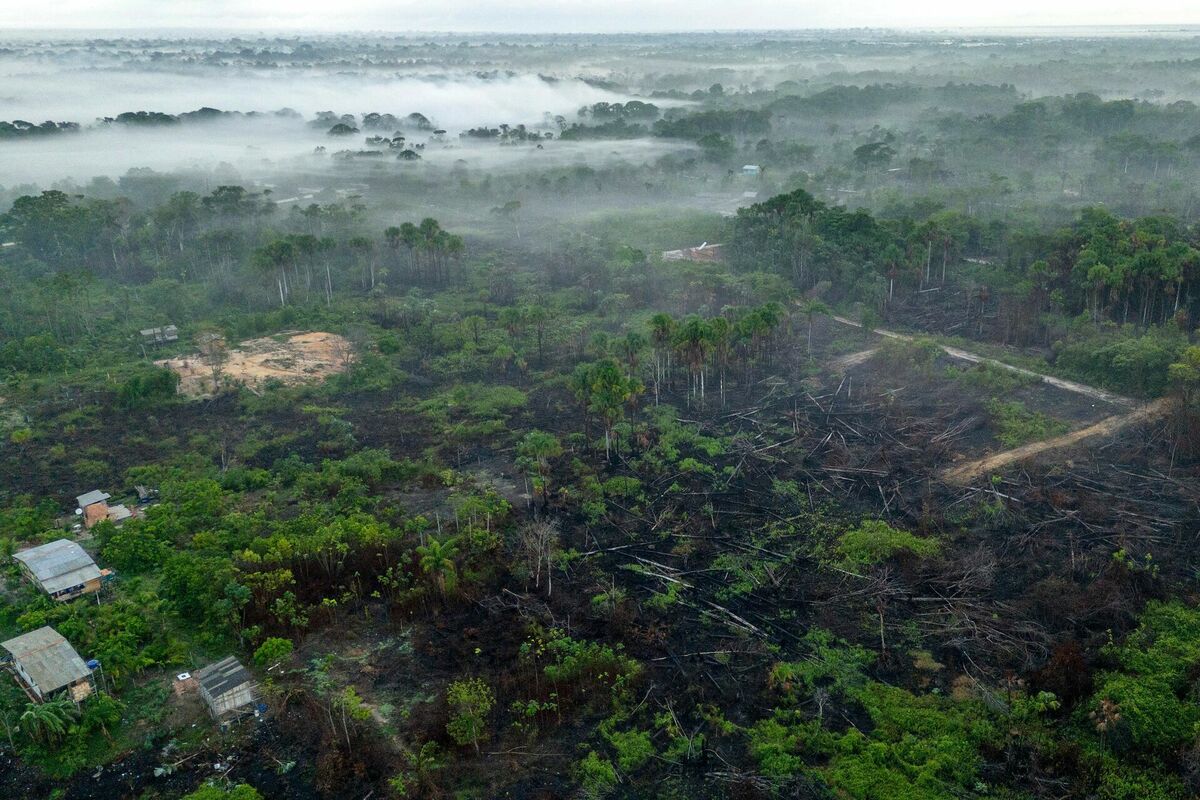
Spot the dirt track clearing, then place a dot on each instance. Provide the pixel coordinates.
(964, 473)
(289, 357)
(964, 355)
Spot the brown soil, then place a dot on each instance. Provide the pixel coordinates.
(964, 473)
(298, 358)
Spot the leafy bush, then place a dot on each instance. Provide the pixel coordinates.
(992, 378)
(1123, 359)
(210, 791)
(597, 776)
(874, 541)
(273, 650)
(905, 355)
(1150, 691)
(633, 748)
(470, 703)
(148, 387)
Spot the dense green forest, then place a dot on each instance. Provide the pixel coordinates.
(562, 515)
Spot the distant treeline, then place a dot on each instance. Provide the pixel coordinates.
(206, 114)
(20, 129)
(693, 127)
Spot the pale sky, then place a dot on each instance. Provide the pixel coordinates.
(536, 16)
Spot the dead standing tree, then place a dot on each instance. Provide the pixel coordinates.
(214, 352)
(537, 543)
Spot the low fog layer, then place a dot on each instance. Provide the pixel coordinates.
(451, 100)
(69, 82)
(264, 149)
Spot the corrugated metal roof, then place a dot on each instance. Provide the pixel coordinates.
(48, 659)
(223, 676)
(167, 333)
(59, 565)
(94, 496)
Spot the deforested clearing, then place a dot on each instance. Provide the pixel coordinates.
(285, 357)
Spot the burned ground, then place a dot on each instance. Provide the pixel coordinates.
(707, 576)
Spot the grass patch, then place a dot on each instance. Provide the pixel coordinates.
(990, 378)
(874, 541)
(1016, 425)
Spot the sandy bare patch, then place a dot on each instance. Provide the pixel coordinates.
(287, 357)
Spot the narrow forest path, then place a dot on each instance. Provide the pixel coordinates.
(966, 472)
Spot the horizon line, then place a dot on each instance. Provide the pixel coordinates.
(884, 28)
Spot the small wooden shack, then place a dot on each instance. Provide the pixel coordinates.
(45, 665)
(62, 569)
(227, 688)
(163, 335)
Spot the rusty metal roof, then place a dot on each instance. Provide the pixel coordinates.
(48, 659)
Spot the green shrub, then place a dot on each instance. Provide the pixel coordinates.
(908, 355)
(597, 776)
(874, 542)
(1152, 686)
(470, 703)
(1016, 425)
(273, 650)
(991, 378)
(1123, 359)
(148, 387)
(633, 748)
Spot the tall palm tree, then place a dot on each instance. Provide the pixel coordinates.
(811, 309)
(662, 330)
(693, 340)
(721, 336)
(630, 349)
(410, 237)
(437, 560)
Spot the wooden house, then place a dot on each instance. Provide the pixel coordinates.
(46, 665)
(62, 569)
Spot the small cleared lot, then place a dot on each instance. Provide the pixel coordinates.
(287, 357)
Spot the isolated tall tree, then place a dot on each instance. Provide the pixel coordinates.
(274, 258)
(607, 389)
(693, 340)
(721, 334)
(364, 252)
(511, 212)
(538, 541)
(536, 450)
(811, 309)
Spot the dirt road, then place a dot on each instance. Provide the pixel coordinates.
(964, 355)
(965, 473)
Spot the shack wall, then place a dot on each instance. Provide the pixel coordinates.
(231, 700)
